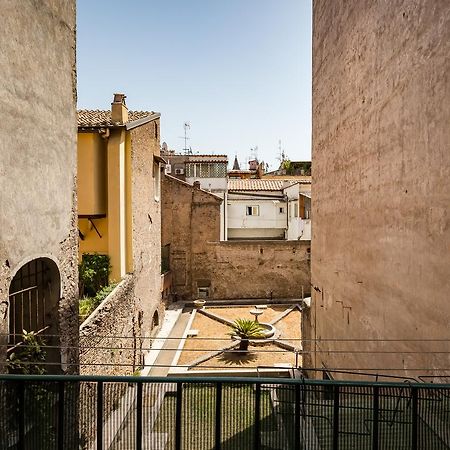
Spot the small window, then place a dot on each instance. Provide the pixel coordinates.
(253, 210)
(281, 210)
(203, 292)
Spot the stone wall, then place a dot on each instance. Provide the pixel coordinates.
(230, 269)
(146, 212)
(109, 345)
(190, 219)
(381, 235)
(38, 152)
(109, 337)
(253, 269)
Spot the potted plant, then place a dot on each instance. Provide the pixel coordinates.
(246, 329)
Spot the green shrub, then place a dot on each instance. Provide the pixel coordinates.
(94, 273)
(26, 357)
(87, 305)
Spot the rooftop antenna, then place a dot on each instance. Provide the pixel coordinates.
(186, 126)
(281, 152)
(254, 152)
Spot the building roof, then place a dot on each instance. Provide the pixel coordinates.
(206, 158)
(293, 178)
(102, 119)
(255, 184)
(185, 183)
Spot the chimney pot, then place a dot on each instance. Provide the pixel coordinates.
(119, 110)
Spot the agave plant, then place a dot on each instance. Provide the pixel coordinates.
(246, 329)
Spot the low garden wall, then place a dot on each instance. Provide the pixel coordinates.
(109, 337)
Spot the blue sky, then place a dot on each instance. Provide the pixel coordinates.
(238, 70)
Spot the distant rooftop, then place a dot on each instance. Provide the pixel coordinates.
(206, 158)
(255, 184)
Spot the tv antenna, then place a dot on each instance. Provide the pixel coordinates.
(186, 126)
(281, 152)
(254, 153)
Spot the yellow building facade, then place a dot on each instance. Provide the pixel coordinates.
(105, 177)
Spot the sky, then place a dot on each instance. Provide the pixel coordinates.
(239, 71)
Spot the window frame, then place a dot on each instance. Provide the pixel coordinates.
(252, 210)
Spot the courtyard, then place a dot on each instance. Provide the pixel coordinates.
(207, 343)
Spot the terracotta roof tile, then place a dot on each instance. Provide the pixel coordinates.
(255, 184)
(97, 118)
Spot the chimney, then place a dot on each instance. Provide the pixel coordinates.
(119, 110)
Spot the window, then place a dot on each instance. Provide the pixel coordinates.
(253, 210)
(281, 210)
(156, 180)
(206, 170)
(190, 170)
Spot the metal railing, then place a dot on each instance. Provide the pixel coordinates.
(117, 413)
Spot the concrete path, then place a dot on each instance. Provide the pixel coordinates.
(157, 363)
(167, 353)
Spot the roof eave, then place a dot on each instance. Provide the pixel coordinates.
(143, 121)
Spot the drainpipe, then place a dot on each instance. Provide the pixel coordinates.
(287, 215)
(225, 207)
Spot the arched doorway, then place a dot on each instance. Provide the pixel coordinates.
(33, 306)
(155, 320)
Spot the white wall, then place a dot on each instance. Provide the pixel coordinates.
(210, 184)
(269, 218)
(298, 228)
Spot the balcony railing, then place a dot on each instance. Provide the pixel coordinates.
(115, 413)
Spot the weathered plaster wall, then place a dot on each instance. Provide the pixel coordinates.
(38, 149)
(254, 269)
(381, 234)
(146, 219)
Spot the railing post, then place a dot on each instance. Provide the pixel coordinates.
(178, 416)
(297, 418)
(375, 410)
(218, 414)
(21, 395)
(139, 416)
(336, 418)
(61, 407)
(415, 404)
(257, 429)
(100, 415)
